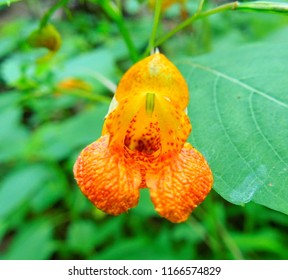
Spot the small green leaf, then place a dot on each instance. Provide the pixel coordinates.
(239, 115)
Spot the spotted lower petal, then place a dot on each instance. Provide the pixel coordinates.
(180, 184)
(109, 179)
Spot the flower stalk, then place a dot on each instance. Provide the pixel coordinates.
(256, 6)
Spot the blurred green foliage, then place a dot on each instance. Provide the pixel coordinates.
(50, 110)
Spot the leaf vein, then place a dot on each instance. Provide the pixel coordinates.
(261, 131)
(238, 82)
(227, 135)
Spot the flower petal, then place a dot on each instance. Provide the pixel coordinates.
(151, 97)
(118, 121)
(166, 125)
(179, 184)
(109, 179)
(173, 123)
(154, 74)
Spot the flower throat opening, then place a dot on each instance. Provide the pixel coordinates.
(143, 133)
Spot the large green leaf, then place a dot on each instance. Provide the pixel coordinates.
(239, 114)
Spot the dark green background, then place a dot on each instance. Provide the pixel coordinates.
(43, 215)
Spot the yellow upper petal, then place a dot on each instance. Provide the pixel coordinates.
(150, 115)
(154, 74)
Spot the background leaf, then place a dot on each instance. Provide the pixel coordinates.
(7, 2)
(58, 141)
(20, 185)
(239, 114)
(13, 135)
(34, 241)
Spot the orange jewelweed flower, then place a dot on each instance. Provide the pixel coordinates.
(143, 144)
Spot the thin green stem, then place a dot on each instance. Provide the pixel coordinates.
(225, 237)
(200, 6)
(222, 8)
(207, 238)
(87, 95)
(264, 6)
(79, 93)
(119, 5)
(45, 19)
(261, 6)
(127, 38)
(156, 20)
(229, 242)
(115, 14)
(196, 16)
(103, 80)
